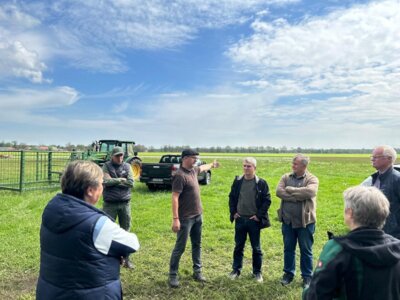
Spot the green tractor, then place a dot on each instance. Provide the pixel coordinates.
(101, 152)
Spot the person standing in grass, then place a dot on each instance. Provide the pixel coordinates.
(118, 183)
(365, 263)
(249, 201)
(80, 246)
(187, 214)
(297, 191)
(387, 179)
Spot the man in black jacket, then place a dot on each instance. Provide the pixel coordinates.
(249, 201)
(387, 179)
(364, 264)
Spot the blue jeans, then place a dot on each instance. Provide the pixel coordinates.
(244, 226)
(306, 240)
(192, 227)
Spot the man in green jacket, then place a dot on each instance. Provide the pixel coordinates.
(118, 183)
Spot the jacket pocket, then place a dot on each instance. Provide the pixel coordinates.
(307, 217)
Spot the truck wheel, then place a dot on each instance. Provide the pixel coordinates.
(136, 165)
(207, 179)
(152, 187)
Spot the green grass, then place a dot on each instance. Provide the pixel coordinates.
(20, 217)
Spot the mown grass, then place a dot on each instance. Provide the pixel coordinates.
(20, 217)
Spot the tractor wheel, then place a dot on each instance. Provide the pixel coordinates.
(136, 165)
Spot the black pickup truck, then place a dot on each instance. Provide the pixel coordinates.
(159, 175)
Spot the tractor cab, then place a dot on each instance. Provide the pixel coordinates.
(102, 153)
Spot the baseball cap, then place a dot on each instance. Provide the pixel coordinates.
(189, 152)
(117, 151)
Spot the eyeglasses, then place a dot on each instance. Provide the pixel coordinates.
(377, 157)
(247, 166)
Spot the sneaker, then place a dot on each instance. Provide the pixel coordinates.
(258, 277)
(287, 278)
(199, 277)
(234, 275)
(173, 281)
(306, 282)
(127, 264)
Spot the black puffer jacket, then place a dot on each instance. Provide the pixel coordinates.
(390, 186)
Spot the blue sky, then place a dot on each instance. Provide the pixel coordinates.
(321, 74)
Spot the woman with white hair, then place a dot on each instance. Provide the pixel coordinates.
(365, 263)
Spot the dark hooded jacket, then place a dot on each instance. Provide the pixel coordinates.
(70, 265)
(364, 264)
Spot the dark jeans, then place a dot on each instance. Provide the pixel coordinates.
(306, 240)
(192, 227)
(244, 226)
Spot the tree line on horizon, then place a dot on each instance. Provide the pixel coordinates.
(213, 149)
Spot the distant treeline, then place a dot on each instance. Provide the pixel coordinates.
(177, 149)
(250, 149)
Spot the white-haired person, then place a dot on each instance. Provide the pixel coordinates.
(387, 179)
(81, 247)
(249, 201)
(365, 263)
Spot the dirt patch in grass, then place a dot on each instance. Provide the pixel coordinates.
(18, 286)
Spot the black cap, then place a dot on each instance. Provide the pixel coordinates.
(189, 152)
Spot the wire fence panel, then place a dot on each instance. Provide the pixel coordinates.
(29, 170)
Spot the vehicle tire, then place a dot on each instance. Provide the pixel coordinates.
(152, 187)
(207, 179)
(136, 165)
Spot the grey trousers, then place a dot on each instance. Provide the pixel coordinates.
(189, 227)
(122, 210)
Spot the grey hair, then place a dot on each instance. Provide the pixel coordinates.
(251, 160)
(78, 176)
(369, 205)
(305, 160)
(390, 152)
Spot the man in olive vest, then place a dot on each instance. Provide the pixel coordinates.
(118, 182)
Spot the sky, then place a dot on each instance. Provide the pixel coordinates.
(294, 73)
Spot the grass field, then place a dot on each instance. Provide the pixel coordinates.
(20, 217)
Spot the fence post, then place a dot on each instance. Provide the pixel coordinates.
(22, 171)
(37, 166)
(49, 166)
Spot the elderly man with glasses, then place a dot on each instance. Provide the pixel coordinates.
(387, 179)
(249, 201)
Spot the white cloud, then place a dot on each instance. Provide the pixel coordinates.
(120, 107)
(352, 53)
(93, 34)
(17, 57)
(334, 53)
(22, 102)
